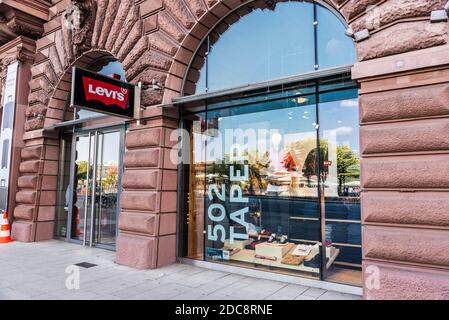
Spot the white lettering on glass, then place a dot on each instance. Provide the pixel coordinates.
(217, 213)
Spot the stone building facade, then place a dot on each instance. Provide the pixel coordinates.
(402, 71)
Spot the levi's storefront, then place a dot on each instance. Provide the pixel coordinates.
(271, 166)
(92, 147)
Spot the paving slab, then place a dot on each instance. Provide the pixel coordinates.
(42, 271)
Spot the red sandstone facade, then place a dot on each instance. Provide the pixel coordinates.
(403, 74)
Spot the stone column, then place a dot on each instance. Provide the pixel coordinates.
(404, 101)
(147, 225)
(34, 214)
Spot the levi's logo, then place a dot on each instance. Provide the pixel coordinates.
(106, 93)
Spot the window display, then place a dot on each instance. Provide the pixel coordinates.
(257, 176)
(273, 177)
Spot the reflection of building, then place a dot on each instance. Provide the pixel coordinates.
(403, 105)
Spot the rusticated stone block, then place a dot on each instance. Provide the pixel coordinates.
(420, 208)
(170, 180)
(412, 136)
(140, 201)
(219, 9)
(102, 6)
(149, 6)
(402, 38)
(26, 196)
(50, 167)
(151, 97)
(405, 104)
(411, 172)
(34, 124)
(197, 7)
(35, 110)
(22, 231)
(27, 182)
(130, 21)
(46, 213)
(142, 158)
(355, 7)
(122, 13)
(394, 10)
(141, 179)
(168, 202)
(148, 75)
(137, 51)
(31, 166)
(167, 223)
(144, 138)
(139, 223)
(24, 212)
(39, 96)
(405, 283)
(131, 41)
(150, 24)
(406, 245)
(47, 198)
(167, 23)
(166, 251)
(111, 13)
(162, 43)
(171, 159)
(179, 10)
(44, 231)
(49, 183)
(136, 251)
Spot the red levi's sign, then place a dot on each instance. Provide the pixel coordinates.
(102, 94)
(105, 93)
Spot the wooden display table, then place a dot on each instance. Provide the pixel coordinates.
(249, 256)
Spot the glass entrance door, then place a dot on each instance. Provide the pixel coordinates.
(96, 184)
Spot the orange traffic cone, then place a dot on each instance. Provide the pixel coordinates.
(5, 233)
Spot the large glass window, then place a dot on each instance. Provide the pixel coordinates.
(272, 179)
(269, 42)
(275, 184)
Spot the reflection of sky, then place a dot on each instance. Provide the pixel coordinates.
(266, 45)
(338, 118)
(343, 117)
(111, 148)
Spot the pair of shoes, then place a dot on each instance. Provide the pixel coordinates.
(283, 239)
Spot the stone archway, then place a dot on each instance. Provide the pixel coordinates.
(157, 39)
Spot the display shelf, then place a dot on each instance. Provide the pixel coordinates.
(248, 256)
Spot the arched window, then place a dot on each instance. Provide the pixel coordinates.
(270, 42)
(273, 180)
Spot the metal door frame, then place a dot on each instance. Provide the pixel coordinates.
(94, 133)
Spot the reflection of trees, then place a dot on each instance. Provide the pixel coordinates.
(345, 159)
(348, 164)
(258, 167)
(110, 181)
(81, 174)
(310, 164)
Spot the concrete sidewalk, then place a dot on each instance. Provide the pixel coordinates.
(38, 271)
